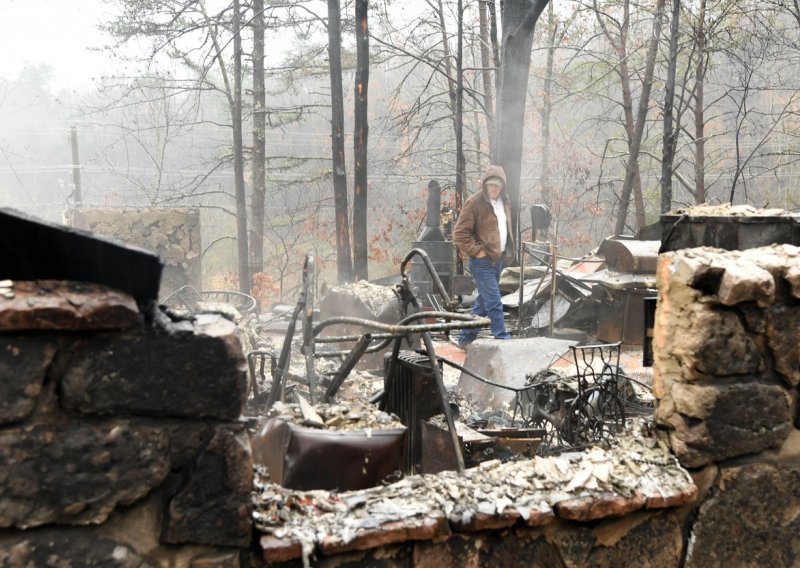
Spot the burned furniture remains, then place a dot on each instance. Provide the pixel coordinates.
(189, 301)
(375, 336)
(546, 296)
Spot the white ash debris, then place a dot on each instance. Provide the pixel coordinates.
(7, 289)
(374, 296)
(221, 308)
(359, 385)
(345, 416)
(470, 410)
(485, 419)
(637, 464)
(728, 210)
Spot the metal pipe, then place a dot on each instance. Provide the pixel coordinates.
(374, 349)
(409, 318)
(437, 282)
(283, 362)
(308, 322)
(343, 338)
(437, 375)
(462, 321)
(521, 285)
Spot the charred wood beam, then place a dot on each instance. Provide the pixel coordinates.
(358, 350)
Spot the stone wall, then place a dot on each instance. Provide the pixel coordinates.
(173, 234)
(120, 443)
(727, 368)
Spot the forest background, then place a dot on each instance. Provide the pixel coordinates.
(630, 109)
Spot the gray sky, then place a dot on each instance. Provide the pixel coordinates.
(55, 32)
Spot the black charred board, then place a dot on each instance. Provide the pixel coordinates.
(32, 249)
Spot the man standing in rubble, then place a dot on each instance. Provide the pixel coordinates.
(483, 233)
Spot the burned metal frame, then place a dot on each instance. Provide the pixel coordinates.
(590, 413)
(189, 297)
(371, 342)
(551, 269)
(583, 408)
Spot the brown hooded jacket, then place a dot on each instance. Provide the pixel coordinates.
(476, 229)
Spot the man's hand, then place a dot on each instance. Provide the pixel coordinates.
(481, 254)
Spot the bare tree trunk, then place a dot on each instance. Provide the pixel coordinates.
(360, 251)
(486, 65)
(455, 89)
(344, 261)
(546, 111)
(448, 68)
(495, 45)
(699, 111)
(519, 21)
(668, 145)
(238, 155)
(234, 96)
(461, 166)
(644, 103)
(259, 139)
(630, 125)
(620, 45)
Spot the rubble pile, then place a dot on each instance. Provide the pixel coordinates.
(728, 210)
(349, 416)
(374, 296)
(470, 410)
(637, 473)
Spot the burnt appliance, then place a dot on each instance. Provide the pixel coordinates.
(410, 393)
(622, 288)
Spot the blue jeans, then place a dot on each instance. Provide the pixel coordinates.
(487, 279)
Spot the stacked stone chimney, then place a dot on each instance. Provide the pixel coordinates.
(727, 369)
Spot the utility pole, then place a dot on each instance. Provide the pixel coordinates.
(76, 166)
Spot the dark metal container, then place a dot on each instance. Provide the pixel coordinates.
(432, 241)
(728, 232)
(412, 396)
(649, 326)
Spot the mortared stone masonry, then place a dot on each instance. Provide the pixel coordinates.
(120, 442)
